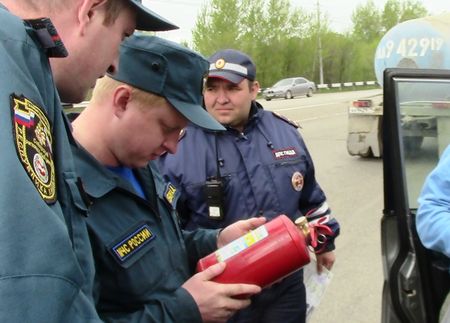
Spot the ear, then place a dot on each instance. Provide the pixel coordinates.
(87, 11)
(121, 99)
(255, 89)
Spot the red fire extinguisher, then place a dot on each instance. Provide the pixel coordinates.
(264, 255)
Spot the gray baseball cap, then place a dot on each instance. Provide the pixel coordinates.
(148, 20)
(164, 68)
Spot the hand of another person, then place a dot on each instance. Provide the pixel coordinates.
(238, 229)
(326, 260)
(218, 302)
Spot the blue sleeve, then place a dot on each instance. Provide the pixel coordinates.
(313, 204)
(433, 215)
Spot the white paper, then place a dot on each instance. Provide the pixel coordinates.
(316, 285)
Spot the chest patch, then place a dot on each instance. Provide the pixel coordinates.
(284, 153)
(33, 141)
(297, 181)
(131, 243)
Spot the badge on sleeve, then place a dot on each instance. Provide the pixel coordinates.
(170, 193)
(33, 141)
(297, 181)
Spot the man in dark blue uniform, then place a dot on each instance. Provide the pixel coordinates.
(47, 270)
(259, 166)
(144, 261)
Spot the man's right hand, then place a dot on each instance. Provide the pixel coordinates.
(218, 302)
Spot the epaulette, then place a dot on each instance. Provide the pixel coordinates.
(48, 37)
(291, 122)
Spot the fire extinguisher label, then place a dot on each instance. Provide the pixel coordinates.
(242, 243)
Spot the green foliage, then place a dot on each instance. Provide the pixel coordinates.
(214, 29)
(390, 15)
(283, 40)
(366, 22)
(412, 9)
(396, 11)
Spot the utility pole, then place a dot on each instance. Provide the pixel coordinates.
(319, 43)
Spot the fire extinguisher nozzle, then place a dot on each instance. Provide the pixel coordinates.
(302, 225)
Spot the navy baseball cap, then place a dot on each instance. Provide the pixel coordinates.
(231, 65)
(148, 20)
(167, 69)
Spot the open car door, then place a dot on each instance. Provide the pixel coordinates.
(416, 130)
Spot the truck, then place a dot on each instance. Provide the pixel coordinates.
(422, 43)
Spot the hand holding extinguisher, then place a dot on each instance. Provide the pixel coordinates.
(264, 255)
(238, 229)
(218, 302)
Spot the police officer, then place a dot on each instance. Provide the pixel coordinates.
(46, 271)
(259, 166)
(143, 259)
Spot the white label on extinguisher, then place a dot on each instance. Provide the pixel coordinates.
(242, 243)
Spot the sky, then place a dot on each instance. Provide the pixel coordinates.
(183, 13)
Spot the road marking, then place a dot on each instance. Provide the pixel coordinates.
(322, 117)
(302, 107)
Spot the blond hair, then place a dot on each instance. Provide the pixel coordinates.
(106, 86)
(113, 9)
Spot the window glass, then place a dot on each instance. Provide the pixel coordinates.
(425, 128)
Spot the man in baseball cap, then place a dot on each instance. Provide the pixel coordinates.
(259, 166)
(135, 116)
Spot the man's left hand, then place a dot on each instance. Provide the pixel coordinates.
(238, 229)
(326, 260)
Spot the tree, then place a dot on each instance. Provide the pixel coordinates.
(412, 9)
(270, 31)
(367, 22)
(391, 14)
(217, 26)
(396, 11)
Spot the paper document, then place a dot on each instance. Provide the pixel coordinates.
(315, 286)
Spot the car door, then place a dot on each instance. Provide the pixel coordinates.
(300, 86)
(416, 115)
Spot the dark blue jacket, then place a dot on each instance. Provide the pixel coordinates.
(47, 269)
(266, 170)
(142, 256)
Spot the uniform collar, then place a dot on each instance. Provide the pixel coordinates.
(254, 115)
(97, 179)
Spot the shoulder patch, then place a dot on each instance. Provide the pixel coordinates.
(292, 123)
(33, 140)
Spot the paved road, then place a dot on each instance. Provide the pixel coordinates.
(354, 189)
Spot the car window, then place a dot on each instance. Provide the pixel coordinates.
(425, 128)
(283, 82)
(300, 81)
(424, 107)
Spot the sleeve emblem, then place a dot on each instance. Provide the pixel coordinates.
(33, 141)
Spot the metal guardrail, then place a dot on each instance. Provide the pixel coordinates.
(345, 84)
